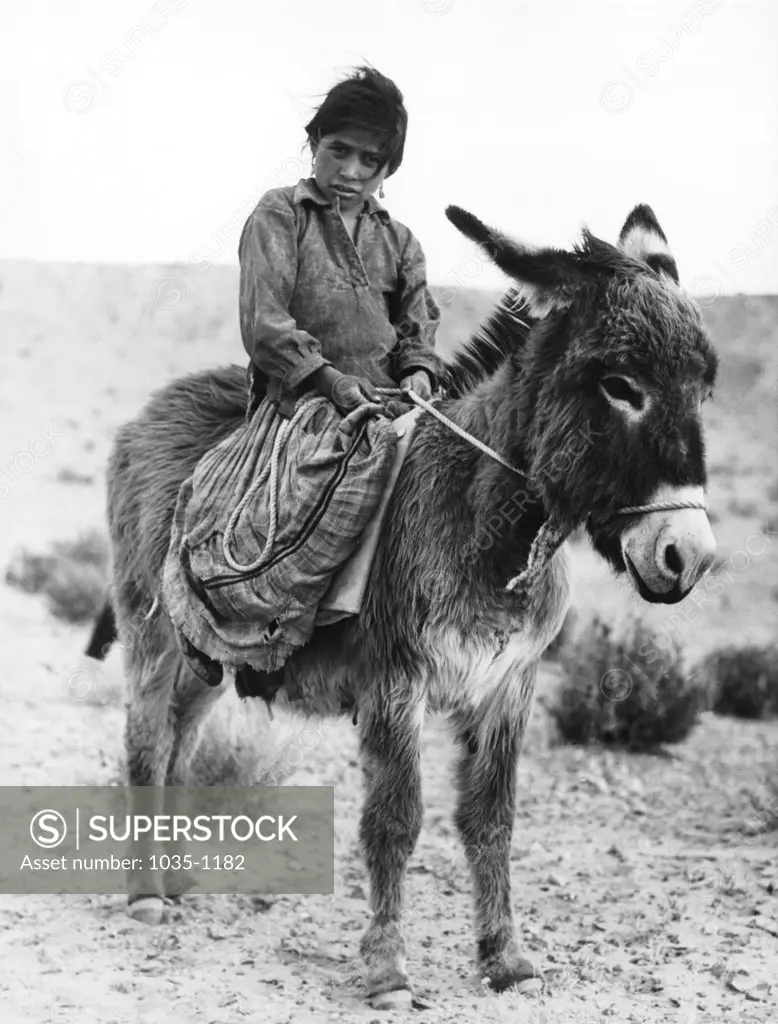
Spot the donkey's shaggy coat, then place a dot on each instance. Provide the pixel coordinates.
(589, 376)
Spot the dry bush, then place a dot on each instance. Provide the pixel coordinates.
(625, 689)
(29, 572)
(764, 804)
(74, 476)
(743, 680)
(73, 576)
(237, 747)
(738, 507)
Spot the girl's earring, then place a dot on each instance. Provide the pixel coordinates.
(381, 191)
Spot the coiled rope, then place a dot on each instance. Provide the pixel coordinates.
(270, 469)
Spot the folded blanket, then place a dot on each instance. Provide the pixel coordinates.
(347, 589)
(264, 523)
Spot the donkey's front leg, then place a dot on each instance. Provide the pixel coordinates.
(490, 747)
(390, 825)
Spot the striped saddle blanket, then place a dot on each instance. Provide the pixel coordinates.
(265, 522)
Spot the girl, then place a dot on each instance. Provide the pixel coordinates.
(333, 290)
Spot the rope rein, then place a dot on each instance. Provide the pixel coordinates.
(428, 407)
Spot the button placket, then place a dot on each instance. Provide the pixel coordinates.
(352, 254)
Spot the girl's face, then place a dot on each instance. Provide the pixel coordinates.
(348, 166)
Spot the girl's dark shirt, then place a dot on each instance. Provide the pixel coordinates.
(310, 296)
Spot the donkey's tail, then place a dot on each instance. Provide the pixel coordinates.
(104, 632)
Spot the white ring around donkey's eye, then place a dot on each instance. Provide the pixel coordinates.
(622, 392)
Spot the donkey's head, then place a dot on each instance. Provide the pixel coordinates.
(612, 377)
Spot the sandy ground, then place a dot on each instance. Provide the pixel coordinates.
(642, 887)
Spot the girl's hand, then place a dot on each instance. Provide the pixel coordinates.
(345, 391)
(349, 392)
(418, 382)
(355, 398)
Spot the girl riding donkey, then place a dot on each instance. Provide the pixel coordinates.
(333, 290)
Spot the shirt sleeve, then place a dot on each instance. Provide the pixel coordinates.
(268, 268)
(417, 319)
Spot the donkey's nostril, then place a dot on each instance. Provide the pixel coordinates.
(673, 559)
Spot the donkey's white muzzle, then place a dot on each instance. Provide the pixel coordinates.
(667, 553)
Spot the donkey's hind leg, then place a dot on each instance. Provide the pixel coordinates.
(192, 700)
(390, 826)
(489, 752)
(149, 741)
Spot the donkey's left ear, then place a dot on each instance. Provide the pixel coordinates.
(545, 278)
(643, 239)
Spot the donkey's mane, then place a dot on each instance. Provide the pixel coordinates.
(505, 331)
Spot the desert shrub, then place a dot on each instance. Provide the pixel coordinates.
(73, 476)
(763, 798)
(625, 689)
(736, 507)
(232, 754)
(29, 572)
(73, 576)
(743, 680)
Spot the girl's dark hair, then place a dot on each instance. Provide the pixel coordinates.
(368, 101)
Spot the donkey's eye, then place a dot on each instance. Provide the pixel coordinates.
(620, 390)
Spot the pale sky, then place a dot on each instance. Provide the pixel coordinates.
(145, 132)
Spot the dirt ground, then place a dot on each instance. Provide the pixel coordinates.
(643, 887)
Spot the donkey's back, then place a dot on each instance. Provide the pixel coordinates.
(152, 456)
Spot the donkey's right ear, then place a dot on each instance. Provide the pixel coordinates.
(545, 278)
(643, 239)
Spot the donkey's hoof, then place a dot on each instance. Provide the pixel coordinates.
(530, 987)
(519, 975)
(178, 884)
(147, 909)
(396, 999)
(383, 950)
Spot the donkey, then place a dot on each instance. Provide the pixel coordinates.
(587, 382)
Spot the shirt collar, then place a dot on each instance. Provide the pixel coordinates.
(307, 189)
